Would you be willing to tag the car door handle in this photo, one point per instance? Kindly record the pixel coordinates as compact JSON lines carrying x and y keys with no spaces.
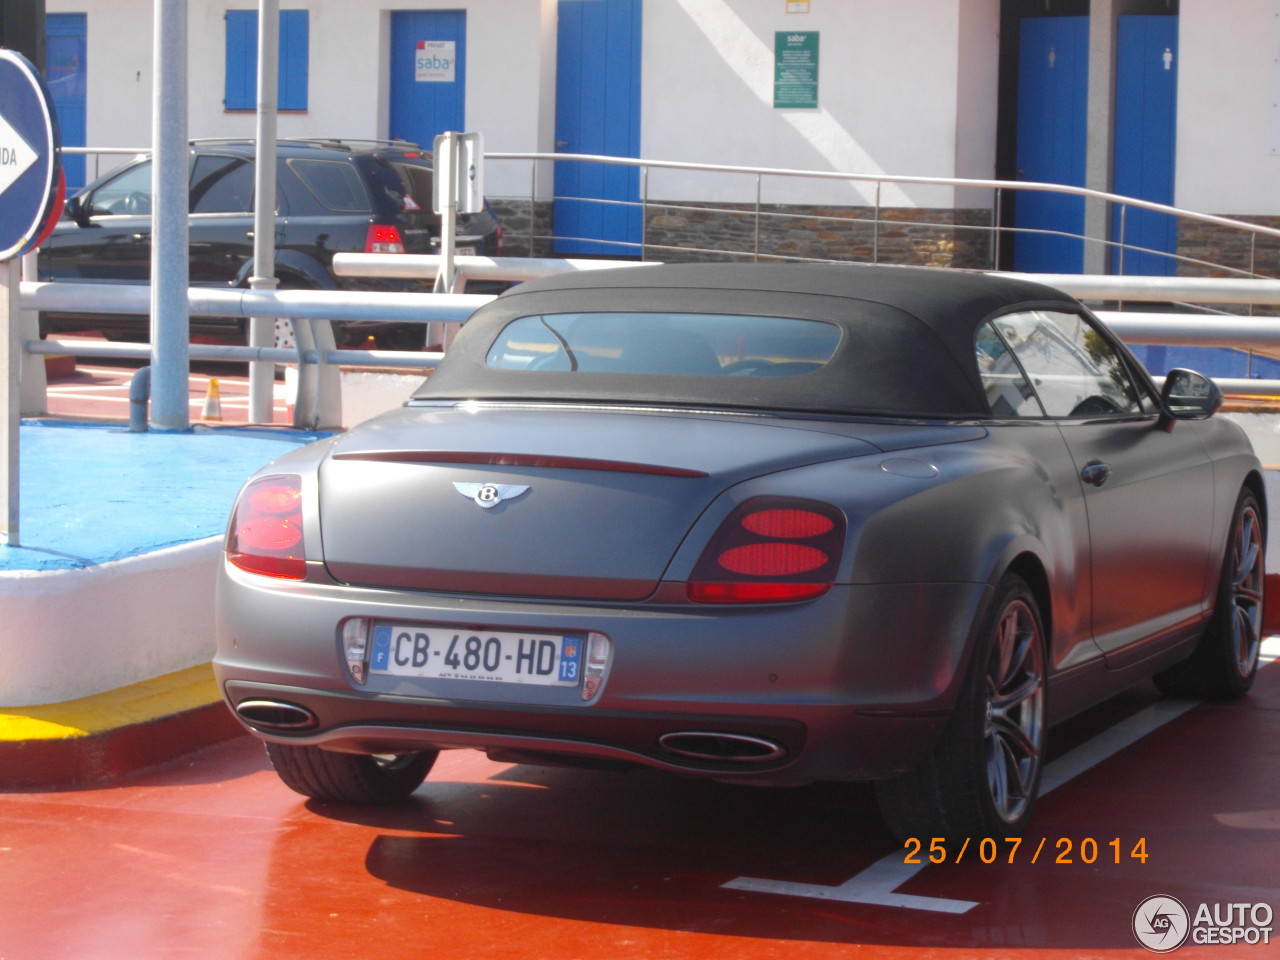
{"x":141,"y":238}
{"x":1096,"y":473}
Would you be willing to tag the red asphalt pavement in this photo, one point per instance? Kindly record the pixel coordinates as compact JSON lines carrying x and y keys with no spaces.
{"x":212,"y":857}
{"x":98,"y":390}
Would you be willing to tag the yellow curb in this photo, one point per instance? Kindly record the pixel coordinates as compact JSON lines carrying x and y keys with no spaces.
{"x":137,"y":703}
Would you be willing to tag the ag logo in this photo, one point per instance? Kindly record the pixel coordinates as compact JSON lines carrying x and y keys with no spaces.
{"x":1161,"y":924}
{"x":489,"y":495}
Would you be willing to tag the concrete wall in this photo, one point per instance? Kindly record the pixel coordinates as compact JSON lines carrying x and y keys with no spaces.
{"x":1227,"y":107}
{"x":510,"y":73}
{"x":74,"y":633}
{"x":907,"y":87}
{"x":890,"y":96}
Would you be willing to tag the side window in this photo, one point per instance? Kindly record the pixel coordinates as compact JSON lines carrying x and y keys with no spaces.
{"x":221,"y":185}
{"x":1006,"y":387}
{"x":126,"y":195}
{"x":335,"y":183}
{"x":1073,"y":369}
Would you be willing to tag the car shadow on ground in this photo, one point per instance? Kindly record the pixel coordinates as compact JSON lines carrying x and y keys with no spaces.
{"x":650,"y":850}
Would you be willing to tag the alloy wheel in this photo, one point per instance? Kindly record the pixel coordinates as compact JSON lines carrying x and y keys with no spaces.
{"x":1246,"y":589}
{"x":1014,"y":729}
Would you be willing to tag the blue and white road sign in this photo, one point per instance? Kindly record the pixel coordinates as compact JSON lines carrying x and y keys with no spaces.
{"x":30,"y":155}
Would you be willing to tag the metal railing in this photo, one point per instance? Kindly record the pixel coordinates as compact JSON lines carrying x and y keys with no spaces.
{"x":316,"y":348}
{"x":869,"y":216}
{"x":98,"y":153}
{"x":761,"y":214}
{"x":318,"y":403}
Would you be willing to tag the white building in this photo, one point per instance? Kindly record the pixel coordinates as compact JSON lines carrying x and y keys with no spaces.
{"x":1172,"y":100}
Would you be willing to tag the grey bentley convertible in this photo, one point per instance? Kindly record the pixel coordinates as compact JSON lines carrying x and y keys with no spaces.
{"x":770,"y":524}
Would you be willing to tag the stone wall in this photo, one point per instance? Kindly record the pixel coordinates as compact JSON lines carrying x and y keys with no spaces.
{"x":1236,"y":249}
{"x":689,"y":232}
{"x":526,"y":227}
{"x":926,"y":237}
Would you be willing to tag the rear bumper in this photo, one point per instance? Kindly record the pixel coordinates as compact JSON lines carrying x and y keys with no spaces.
{"x":855,"y":685}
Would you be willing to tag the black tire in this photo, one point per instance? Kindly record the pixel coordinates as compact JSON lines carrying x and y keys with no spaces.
{"x":350,"y":777}
{"x":1226,"y":659}
{"x":982,"y":777}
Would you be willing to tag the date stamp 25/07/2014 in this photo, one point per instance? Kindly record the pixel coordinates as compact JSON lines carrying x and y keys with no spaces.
{"x":1010,"y":850}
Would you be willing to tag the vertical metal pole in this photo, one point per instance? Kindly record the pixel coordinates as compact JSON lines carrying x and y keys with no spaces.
{"x":10,"y":399}
{"x":1253,"y":272}
{"x":35,"y":385}
{"x":170,"y":270}
{"x":759,"y":193}
{"x":533,"y":210}
{"x":644,"y":213}
{"x":997,"y":234}
{"x":875,"y":237}
{"x":261,"y":329}
{"x":1124,"y":237}
{"x":448,"y":166}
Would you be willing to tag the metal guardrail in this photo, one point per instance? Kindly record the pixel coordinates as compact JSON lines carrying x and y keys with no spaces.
{"x":1245,"y":333}
{"x":760,"y":215}
{"x":97,"y":153}
{"x":318,"y":403}
{"x":320,"y":307}
{"x":998,"y":230}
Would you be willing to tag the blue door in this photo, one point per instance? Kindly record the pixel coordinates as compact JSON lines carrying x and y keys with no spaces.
{"x":428,"y":74}
{"x":598,"y":112}
{"x":1146,"y":108}
{"x":1053,"y":87}
{"x":65,"y":72}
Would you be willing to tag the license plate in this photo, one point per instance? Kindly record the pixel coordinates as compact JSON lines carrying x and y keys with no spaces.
{"x":425,"y":650}
{"x":465,"y":251}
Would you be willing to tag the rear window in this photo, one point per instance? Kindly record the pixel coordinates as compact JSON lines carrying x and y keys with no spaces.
{"x":416,"y":184}
{"x":681,"y":344}
{"x":335,"y":183}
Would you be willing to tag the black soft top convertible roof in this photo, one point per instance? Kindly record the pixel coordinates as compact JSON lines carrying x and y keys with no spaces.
{"x":907,"y":348}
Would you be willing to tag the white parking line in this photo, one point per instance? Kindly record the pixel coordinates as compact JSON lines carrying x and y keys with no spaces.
{"x":878,"y":883}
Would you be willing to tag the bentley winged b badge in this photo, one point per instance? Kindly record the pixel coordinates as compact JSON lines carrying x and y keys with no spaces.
{"x":489,"y":495}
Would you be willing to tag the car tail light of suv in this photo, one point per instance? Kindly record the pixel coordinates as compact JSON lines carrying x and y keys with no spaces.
{"x":383,"y":238}
{"x":265,"y":536}
{"x":771,"y":550}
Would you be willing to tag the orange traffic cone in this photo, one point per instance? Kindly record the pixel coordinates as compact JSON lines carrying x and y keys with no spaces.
{"x":212,"y":409}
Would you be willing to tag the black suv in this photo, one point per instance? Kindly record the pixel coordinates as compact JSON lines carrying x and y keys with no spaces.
{"x":331,"y":197}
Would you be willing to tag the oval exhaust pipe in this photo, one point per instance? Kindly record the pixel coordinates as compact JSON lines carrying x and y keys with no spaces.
{"x":275,"y":715}
{"x":721,"y":747}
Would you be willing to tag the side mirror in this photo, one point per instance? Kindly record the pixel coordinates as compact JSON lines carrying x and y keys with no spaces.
{"x":74,"y":209}
{"x":1188,"y":395}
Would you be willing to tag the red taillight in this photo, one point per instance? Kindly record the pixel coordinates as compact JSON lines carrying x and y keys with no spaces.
{"x":791,"y":524}
{"x":771,"y":550}
{"x":383,"y":238}
{"x":755,"y":592}
{"x":499,"y":249}
{"x":266,"y":530}
{"x":772,"y":559}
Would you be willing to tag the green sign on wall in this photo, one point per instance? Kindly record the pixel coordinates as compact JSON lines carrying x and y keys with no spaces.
{"x":795,"y":69}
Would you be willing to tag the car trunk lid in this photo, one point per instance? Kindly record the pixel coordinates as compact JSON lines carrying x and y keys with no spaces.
{"x":574,"y":504}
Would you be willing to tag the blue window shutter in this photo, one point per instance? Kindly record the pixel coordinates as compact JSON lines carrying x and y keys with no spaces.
{"x":242,"y":60}
{"x":294,"y":58}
